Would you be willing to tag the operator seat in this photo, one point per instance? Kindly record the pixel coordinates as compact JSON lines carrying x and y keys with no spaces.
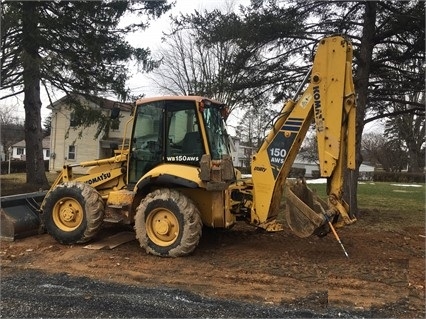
{"x":192,"y":144}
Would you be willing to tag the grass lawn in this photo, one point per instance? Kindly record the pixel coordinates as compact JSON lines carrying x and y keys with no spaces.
{"x":389,"y":203}
{"x":386,"y":196}
{"x":383,"y":205}
{"x":11,"y":184}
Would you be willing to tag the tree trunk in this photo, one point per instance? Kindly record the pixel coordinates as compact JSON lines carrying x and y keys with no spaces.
{"x":31,"y":72}
{"x":414,"y":142}
{"x":413,"y":159}
{"x":361,"y":86}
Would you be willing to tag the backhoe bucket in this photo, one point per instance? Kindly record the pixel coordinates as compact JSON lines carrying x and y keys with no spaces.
{"x":20,"y":215}
{"x":304,"y":210}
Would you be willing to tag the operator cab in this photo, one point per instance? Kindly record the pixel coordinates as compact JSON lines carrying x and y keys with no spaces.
{"x":178,"y":130}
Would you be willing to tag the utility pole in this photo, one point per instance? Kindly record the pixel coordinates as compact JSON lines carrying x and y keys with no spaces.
{"x":9,"y":152}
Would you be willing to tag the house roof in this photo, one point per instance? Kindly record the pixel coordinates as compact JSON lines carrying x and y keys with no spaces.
{"x":300,"y":160}
{"x":101,"y":102}
{"x":45,"y":142}
{"x":176,"y":97}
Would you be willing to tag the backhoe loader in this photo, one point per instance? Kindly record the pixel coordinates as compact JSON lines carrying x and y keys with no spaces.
{"x":175,"y":174}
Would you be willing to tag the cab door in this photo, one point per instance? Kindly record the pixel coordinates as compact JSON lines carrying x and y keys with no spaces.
{"x":184,"y":144}
{"x":147,"y":142}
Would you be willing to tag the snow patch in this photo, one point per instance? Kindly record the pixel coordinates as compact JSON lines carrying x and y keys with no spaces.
{"x":407,"y":185}
{"x":316,"y":181}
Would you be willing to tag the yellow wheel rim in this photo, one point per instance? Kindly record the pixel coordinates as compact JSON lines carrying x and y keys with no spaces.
{"x":162,"y":227}
{"x":67,"y":214}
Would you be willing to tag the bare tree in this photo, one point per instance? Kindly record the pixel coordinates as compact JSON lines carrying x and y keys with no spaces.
{"x":188,"y":67}
{"x":380,"y":151}
{"x":257,"y":119}
{"x":12,"y":127}
{"x":408,"y":130}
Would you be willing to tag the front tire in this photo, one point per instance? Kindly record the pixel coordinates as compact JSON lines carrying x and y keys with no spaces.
{"x":73,"y":212}
{"x":168,"y":224}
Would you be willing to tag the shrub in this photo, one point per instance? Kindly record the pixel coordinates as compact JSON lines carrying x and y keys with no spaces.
{"x":18,"y":167}
{"x":399,"y":177}
{"x":297,"y":172}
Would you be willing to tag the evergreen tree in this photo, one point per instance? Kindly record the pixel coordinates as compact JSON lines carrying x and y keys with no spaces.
{"x":276,"y":40}
{"x":73,"y":46}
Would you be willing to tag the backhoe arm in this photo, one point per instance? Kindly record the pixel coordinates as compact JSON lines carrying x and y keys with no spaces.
{"x":329,"y":100}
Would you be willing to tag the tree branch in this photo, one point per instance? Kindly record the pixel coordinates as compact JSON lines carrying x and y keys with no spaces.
{"x":417,"y":111}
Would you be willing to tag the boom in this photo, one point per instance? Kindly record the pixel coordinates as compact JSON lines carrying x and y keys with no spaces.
{"x":329,"y":99}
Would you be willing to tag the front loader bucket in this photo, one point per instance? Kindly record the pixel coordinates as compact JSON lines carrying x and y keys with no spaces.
{"x":304,"y":210}
{"x":20,"y":215}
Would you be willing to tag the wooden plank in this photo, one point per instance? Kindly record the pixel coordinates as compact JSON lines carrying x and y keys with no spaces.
{"x":113,"y":241}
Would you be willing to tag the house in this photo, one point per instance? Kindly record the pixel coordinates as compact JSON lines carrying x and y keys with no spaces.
{"x":311,"y":168}
{"x":19,"y":150}
{"x":241,"y":155}
{"x":2,"y":153}
{"x":366,"y":172}
{"x":72,"y":144}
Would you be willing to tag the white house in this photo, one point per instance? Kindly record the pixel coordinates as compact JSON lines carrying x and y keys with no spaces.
{"x":2,"y":153}
{"x":312,"y":169}
{"x":241,"y":155}
{"x":70,"y":144}
{"x":366,"y":172}
{"x":19,"y":150}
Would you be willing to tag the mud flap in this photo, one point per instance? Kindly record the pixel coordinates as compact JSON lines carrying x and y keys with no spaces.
{"x":304,"y":210}
{"x":20,"y":215}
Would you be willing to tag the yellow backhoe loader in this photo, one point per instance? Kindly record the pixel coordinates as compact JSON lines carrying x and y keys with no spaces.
{"x":176,"y":174}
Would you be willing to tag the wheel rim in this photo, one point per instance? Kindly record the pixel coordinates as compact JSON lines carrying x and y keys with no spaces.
{"x":162,"y":227}
{"x":67,"y":214}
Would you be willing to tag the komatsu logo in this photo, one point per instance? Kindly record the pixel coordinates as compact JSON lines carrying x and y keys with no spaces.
{"x":103,"y":176}
{"x":317,"y":108}
{"x":259,"y":169}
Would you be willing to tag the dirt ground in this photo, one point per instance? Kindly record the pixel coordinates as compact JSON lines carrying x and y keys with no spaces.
{"x":385,"y":271}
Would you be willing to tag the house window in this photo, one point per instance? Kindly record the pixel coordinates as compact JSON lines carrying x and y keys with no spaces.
{"x":74,"y":121}
{"x":115,"y":124}
{"x":71,"y":152}
{"x":20,"y":151}
{"x":47,"y":153}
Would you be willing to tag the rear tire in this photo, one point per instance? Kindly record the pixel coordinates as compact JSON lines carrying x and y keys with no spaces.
{"x":168,"y":224}
{"x":73,"y":212}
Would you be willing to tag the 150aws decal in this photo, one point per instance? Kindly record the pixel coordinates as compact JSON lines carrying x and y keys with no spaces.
{"x":278,"y":150}
{"x":277,"y":155}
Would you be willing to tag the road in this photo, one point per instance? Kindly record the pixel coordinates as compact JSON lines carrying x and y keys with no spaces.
{"x":35,"y":294}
